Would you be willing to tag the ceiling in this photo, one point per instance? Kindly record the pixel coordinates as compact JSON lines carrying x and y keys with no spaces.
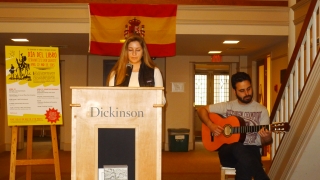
{"x":186,"y":45}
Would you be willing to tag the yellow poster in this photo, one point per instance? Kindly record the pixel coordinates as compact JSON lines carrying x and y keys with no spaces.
{"x":33,"y":86}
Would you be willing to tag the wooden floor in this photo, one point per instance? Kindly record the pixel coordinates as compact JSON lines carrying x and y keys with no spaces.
{"x":198,"y":164}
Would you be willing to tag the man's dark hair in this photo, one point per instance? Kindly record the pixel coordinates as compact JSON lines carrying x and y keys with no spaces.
{"x":239,"y":77}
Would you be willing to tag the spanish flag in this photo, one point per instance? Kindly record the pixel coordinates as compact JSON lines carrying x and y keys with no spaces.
{"x":112,"y":23}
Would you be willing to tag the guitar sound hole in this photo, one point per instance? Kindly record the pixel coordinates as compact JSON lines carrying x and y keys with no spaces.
{"x":227,"y":130}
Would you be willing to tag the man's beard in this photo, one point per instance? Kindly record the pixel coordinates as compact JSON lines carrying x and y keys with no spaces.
{"x":246,"y":100}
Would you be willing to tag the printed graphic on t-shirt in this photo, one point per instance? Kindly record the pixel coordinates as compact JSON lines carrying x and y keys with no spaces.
{"x":251,"y":119}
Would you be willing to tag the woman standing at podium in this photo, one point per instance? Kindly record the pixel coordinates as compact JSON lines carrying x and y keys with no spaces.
{"x":135,"y":67}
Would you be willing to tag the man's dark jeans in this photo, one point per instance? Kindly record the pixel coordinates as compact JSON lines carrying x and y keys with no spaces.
{"x":245,"y":159}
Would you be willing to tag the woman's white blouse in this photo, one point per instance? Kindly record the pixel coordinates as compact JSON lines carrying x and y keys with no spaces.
{"x":134,"y":81}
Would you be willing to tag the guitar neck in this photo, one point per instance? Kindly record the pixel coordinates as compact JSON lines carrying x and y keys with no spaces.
{"x":246,"y":129}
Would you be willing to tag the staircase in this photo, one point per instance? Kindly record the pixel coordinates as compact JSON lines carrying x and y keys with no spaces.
{"x":295,"y":155}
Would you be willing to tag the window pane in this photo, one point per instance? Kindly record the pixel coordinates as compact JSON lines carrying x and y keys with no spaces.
{"x":200,"y":89}
{"x":221,"y":88}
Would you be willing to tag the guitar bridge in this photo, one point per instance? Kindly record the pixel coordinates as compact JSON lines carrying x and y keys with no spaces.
{"x":212,"y":137}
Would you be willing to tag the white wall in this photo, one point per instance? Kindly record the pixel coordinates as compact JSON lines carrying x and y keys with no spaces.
{"x":73,"y":73}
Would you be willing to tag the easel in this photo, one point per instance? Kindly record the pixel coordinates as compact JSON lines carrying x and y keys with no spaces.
{"x":29,"y":161}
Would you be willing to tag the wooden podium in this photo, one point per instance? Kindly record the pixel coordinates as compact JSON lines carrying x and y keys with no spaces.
{"x":116,"y":126}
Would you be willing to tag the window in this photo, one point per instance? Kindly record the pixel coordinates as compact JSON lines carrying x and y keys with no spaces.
{"x":200,"y":89}
{"x":221,"y":88}
{"x":211,"y":88}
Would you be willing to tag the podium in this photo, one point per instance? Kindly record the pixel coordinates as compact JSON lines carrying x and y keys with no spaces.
{"x":116,"y":126}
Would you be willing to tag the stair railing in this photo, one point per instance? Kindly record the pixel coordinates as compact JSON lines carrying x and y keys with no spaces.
{"x":297,"y":73}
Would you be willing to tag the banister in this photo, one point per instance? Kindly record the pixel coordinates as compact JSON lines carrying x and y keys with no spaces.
{"x":293,"y":57}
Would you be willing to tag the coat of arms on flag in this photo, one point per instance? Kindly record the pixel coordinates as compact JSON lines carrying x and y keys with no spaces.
{"x":134,"y":28}
{"x":111,"y":24}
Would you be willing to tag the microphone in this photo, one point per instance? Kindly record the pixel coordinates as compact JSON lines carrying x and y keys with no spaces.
{"x":129,"y":69}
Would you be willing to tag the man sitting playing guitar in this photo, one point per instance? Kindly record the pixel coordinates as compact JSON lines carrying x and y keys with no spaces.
{"x":245,"y":156}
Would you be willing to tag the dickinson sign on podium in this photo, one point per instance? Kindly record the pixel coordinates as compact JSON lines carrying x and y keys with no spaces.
{"x":116,"y":127}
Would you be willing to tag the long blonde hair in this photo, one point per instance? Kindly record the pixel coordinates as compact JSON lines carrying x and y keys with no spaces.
{"x":119,"y":69}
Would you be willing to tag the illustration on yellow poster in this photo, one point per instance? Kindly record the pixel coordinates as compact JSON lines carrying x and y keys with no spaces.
{"x":33,"y":85}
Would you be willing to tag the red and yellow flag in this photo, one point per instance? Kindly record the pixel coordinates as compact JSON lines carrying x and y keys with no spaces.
{"x":111,"y":23}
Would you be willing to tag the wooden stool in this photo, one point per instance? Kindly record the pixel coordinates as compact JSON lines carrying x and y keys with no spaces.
{"x":225,"y":171}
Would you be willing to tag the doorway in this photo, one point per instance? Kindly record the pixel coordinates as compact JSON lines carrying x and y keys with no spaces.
{"x":261,"y":82}
{"x":211,"y":85}
{"x":263,"y":89}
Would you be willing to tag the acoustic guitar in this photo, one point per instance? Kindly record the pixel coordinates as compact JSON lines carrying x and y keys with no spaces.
{"x":234,"y":130}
